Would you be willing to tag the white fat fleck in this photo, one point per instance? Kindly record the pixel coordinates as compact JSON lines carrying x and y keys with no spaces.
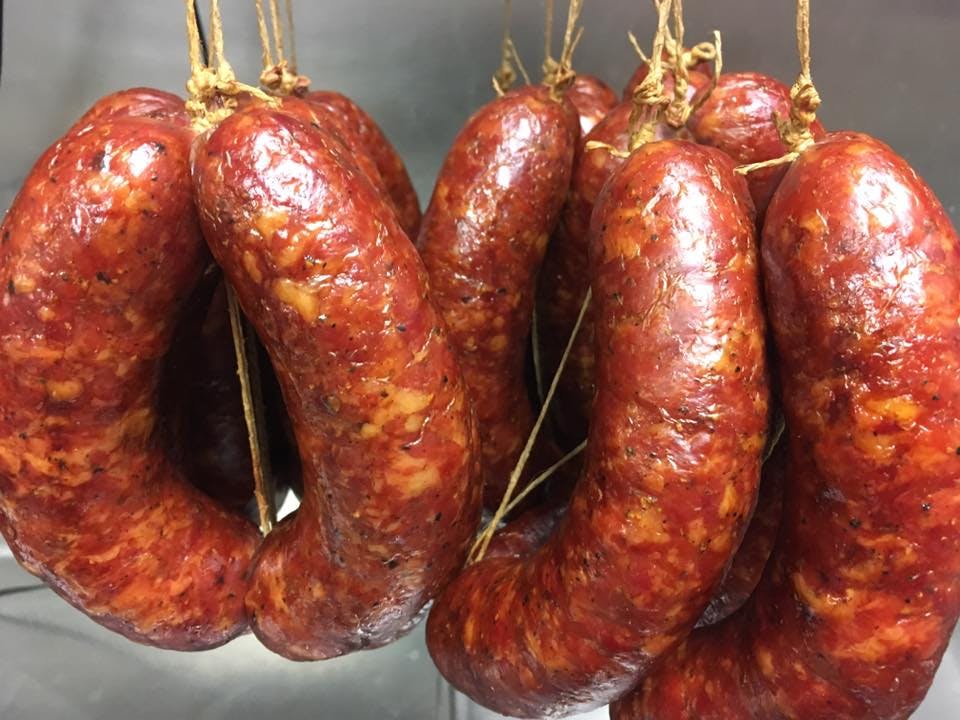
{"x":140,"y":159}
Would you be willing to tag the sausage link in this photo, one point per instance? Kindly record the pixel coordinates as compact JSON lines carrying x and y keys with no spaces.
{"x":593,"y":99}
{"x":563,"y":282}
{"x":748,"y":564}
{"x":739,"y":117}
{"x":338,"y":296}
{"x":388,"y":161}
{"x":668,"y":480}
{"x":857,"y":604}
{"x":497,"y":199}
{"x":99,"y":253}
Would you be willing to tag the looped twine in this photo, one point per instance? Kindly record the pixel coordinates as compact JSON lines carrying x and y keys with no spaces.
{"x":795,"y":131}
{"x":648,"y":96}
{"x":279,"y":79}
{"x":559,"y":75}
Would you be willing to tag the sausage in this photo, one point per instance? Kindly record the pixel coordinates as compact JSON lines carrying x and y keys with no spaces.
{"x":201,"y":401}
{"x":99,"y":253}
{"x":739,"y":118}
{"x":857,"y":604}
{"x":748,"y":564}
{"x":484,"y":234}
{"x":668,"y":480}
{"x":387,"y":441}
{"x":387,"y":159}
{"x":703,"y":67}
{"x":563,"y":282}
{"x":136,"y":102}
{"x":593,"y":99}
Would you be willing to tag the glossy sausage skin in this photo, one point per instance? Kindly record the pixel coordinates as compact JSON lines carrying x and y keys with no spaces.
{"x":669,"y":476}
{"x":593,"y":99}
{"x":563,"y":282}
{"x":338,"y":296}
{"x":738,"y":118}
{"x":855,"y":610}
{"x":748,"y":564}
{"x":99,"y":253}
{"x":387,"y":159}
{"x":497,"y":199}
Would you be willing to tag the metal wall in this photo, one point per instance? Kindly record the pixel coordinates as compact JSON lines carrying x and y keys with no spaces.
{"x":421,"y":66}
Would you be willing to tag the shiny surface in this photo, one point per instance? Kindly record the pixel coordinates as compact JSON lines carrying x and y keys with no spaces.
{"x":863,"y":591}
{"x":740,"y":118}
{"x":484,"y":234}
{"x":672,"y":466}
{"x":101,"y":250}
{"x":563,"y":283}
{"x":387,"y":443}
{"x":592,"y":98}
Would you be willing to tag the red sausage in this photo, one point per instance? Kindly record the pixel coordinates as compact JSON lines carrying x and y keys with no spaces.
{"x":669,"y":477}
{"x":563,"y":282}
{"x":388,"y":161}
{"x":338,"y":296}
{"x":99,"y":254}
{"x":862,"y":272}
{"x":748,"y":564}
{"x":593,"y":99}
{"x":738,"y":118}
{"x":483,"y":238}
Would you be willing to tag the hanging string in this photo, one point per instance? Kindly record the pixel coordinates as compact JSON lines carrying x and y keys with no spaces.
{"x":558,"y":75}
{"x":279,"y":75}
{"x":293,"y":36}
{"x":678,"y":111}
{"x":212,"y":91}
{"x":482,"y":542}
{"x":648,"y":97}
{"x":212,"y":88}
{"x":795,"y":132}
{"x":505,"y":75}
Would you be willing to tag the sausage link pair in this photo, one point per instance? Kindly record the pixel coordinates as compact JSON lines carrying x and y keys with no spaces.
{"x":496,"y":201}
{"x":387,"y":442}
{"x":99,"y":254}
{"x":673,"y":461}
{"x":857,"y":605}
{"x":363,"y":134}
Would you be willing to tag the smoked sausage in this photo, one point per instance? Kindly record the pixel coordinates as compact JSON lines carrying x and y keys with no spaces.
{"x":387,"y":160}
{"x":563,"y":282}
{"x":703,"y":67}
{"x":484,"y":234}
{"x":99,"y":253}
{"x":592,"y":98}
{"x":338,"y":295}
{"x":856,"y":607}
{"x":739,"y":118}
{"x":669,"y":477}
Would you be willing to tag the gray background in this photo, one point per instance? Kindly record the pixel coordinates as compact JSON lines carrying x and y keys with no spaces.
{"x":420,"y":66}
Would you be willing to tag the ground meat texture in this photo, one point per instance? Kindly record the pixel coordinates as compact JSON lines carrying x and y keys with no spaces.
{"x":338,"y":296}
{"x":856,"y":607}
{"x":563,"y":283}
{"x":739,"y":117}
{"x":497,"y":199}
{"x":593,"y":99}
{"x":99,"y":253}
{"x":385,"y":156}
{"x":673,"y":461}
{"x":754,"y":552}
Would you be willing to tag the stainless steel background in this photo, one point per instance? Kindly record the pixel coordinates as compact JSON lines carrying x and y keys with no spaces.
{"x":420,"y":66}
